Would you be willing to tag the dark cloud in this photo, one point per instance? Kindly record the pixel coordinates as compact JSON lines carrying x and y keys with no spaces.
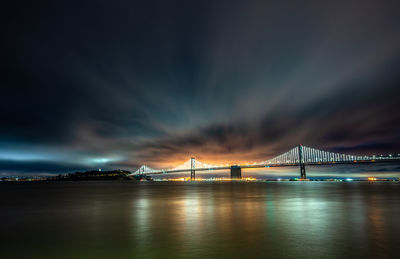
{"x":38,"y":167}
{"x":157,"y":81}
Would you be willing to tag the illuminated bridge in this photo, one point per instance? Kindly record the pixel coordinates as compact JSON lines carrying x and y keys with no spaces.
{"x":297,"y":156}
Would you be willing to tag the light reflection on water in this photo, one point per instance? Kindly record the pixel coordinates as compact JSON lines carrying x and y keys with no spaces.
{"x":197,"y":220}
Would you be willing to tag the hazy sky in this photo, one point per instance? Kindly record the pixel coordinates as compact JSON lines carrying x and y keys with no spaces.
{"x":115,"y":84}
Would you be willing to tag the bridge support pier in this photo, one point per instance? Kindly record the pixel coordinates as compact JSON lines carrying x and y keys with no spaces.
{"x":303,"y":171}
{"x":236,"y":172}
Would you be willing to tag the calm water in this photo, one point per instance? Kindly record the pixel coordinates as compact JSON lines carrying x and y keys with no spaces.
{"x":200,"y":220}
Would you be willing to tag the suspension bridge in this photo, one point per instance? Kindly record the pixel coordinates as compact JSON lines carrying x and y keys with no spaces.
{"x":300,"y":156}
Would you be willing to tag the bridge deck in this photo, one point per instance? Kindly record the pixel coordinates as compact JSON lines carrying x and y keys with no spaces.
{"x":280,"y":165}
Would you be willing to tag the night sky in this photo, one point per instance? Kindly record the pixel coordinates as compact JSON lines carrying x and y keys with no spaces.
{"x":115,"y":84}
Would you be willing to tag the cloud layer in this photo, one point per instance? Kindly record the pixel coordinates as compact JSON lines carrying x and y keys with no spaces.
{"x":155,"y":82}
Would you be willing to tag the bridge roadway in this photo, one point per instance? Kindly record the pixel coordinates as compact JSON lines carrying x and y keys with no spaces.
{"x":374,"y":161}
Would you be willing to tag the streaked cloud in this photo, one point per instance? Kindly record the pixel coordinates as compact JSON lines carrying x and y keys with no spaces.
{"x":224,"y":81}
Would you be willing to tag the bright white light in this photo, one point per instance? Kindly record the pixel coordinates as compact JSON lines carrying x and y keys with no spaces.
{"x":101,"y":160}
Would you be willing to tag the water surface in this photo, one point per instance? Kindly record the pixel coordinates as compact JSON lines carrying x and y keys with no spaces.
{"x":200,"y":220}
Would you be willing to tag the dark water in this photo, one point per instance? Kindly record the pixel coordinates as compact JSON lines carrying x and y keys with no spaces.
{"x":200,"y":220}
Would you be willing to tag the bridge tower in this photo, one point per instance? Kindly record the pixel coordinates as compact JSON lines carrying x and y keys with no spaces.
{"x":192,"y":168}
{"x":301,"y":163}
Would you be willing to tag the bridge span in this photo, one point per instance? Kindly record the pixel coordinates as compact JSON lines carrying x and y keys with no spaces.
{"x":300,"y":156}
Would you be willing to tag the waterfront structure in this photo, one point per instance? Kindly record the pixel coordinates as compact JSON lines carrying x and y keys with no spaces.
{"x":236,"y":172}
